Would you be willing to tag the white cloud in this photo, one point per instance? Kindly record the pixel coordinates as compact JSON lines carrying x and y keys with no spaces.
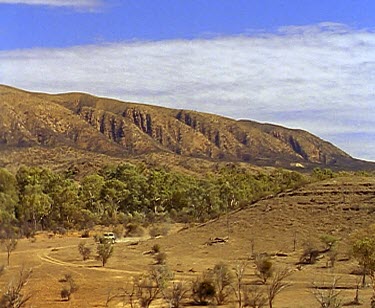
{"x":90,"y":4}
{"x":319,"y":78}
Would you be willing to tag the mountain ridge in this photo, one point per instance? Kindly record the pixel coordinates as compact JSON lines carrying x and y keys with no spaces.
{"x":121,"y":129}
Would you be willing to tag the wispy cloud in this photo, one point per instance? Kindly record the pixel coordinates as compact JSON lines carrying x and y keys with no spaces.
{"x":81,"y":4}
{"x":319,"y":78}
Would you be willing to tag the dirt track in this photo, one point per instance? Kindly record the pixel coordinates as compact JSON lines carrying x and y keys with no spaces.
{"x":337,"y":207}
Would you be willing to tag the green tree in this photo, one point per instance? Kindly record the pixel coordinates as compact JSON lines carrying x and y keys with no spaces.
{"x":66,"y":207}
{"x":34,"y":204}
{"x":8,"y":196}
{"x":104,"y":251}
{"x":135,"y":181}
{"x":114,"y":194}
{"x":90,"y":193}
{"x":159,"y":190}
{"x":364,"y":252}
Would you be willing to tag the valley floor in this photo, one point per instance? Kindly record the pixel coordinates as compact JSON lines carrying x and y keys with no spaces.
{"x":337,"y":207}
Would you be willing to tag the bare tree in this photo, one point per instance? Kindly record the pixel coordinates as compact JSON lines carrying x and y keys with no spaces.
{"x":332,"y":256}
{"x":222,"y":279}
{"x":277,"y":284}
{"x":175,"y":294}
{"x":147,"y":287}
{"x":310,"y":253}
{"x":372,"y":276}
{"x":329,"y":297}
{"x":356,"y":300}
{"x":254,"y":297}
{"x":294,"y":240}
{"x":14,"y":296}
{"x":237,"y":285}
{"x":122,"y":294}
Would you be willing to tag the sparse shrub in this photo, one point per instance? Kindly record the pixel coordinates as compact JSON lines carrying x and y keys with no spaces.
{"x":118,"y":230}
{"x":155,"y":248}
{"x":175,"y":294}
{"x":161,"y":258}
{"x":203,"y":290}
{"x":264,"y":268}
{"x":85,"y":234}
{"x":27,"y":230}
{"x":148,"y":286}
{"x":328,"y":240}
{"x":254,"y":297}
{"x":135,"y":217}
{"x":68,"y":288}
{"x":159,"y":230}
{"x":104,"y":251}
{"x":14,"y":296}
{"x":96,"y":238}
{"x":122,"y":218}
{"x":309,"y":254}
{"x":59,"y":230}
{"x":183,"y":217}
{"x":84,"y":251}
{"x":134,"y":230}
{"x":323,"y":174}
{"x":329,"y":297}
{"x":222,"y":279}
{"x":65,"y":294}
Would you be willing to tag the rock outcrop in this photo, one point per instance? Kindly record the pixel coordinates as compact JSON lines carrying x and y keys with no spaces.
{"x":118,"y":128}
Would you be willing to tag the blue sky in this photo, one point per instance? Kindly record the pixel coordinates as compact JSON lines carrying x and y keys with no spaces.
{"x":60,"y":23}
{"x":303,"y":64}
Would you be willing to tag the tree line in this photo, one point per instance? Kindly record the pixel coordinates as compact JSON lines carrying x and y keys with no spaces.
{"x":37,"y":198}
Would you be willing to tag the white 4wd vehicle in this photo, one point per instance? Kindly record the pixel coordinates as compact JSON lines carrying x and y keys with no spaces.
{"x":109,"y":237}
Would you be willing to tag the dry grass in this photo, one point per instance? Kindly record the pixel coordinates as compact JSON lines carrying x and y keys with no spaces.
{"x":336,"y":207}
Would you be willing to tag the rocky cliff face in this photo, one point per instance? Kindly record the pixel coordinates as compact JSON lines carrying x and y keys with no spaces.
{"x":123,"y":129}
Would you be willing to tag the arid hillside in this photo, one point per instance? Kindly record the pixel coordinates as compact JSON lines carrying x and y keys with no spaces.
{"x":279,"y":226}
{"x":35,"y":124}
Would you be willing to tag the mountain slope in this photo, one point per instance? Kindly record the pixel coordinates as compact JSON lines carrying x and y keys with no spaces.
{"x":119,"y":129}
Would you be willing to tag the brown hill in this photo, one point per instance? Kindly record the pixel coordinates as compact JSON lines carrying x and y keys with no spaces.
{"x":81,"y":123}
{"x":280,"y":226}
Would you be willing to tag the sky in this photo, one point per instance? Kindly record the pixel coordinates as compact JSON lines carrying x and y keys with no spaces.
{"x":298,"y":63}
